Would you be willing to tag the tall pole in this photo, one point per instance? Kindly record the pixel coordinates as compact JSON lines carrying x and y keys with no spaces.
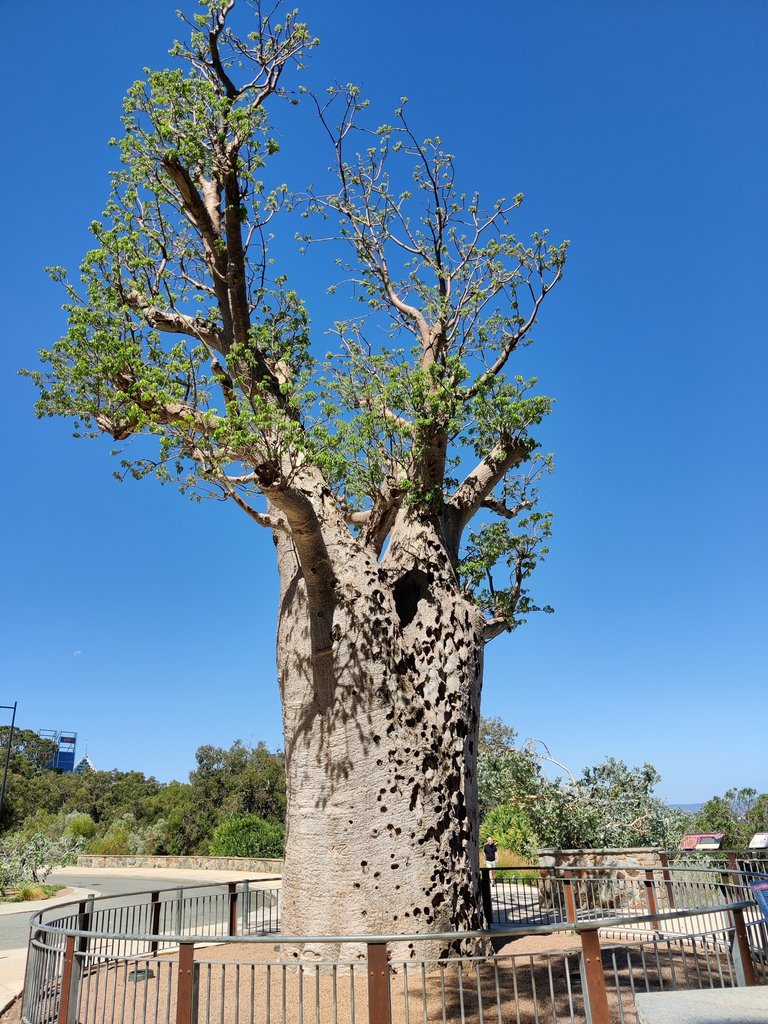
{"x":7,"y":753}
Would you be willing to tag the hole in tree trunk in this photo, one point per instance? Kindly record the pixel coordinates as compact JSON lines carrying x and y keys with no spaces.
{"x":408,"y":591}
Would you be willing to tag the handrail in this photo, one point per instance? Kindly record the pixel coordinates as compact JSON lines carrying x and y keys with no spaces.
{"x":539,"y":929}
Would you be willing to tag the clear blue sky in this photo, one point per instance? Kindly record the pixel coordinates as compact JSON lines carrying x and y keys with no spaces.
{"x":146,"y":623}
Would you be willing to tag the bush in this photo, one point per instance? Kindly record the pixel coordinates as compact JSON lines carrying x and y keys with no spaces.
{"x":30,"y":892}
{"x":127,"y":836}
{"x":510,"y":827}
{"x":29,"y":857}
{"x":80,"y":826}
{"x":247,"y":835}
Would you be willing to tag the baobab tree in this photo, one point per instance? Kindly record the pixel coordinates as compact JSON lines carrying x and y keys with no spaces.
{"x":399,"y":481}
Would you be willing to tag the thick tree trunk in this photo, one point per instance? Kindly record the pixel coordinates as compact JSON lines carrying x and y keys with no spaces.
{"x":381,"y":694}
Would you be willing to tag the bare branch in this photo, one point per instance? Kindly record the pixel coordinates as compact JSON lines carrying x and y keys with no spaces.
{"x":503,"y":510}
{"x":172,"y":322}
{"x":515,"y":338}
{"x":495,"y":627}
{"x":213,"y":42}
{"x":262,"y":518}
{"x":477,"y":485}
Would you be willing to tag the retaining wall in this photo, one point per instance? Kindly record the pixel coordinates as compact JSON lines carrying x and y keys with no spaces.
{"x":260,"y":865}
{"x":631,"y":857}
{"x":638,"y":857}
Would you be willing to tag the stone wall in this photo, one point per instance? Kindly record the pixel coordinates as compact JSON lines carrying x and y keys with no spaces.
{"x":623,"y":890}
{"x":632,"y":857}
{"x":258,"y":865}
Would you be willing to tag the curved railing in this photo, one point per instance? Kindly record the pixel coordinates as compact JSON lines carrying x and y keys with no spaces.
{"x":209,"y":955}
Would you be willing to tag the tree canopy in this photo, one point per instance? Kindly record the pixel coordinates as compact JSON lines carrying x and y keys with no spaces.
{"x":610,"y":804}
{"x":181,"y":328}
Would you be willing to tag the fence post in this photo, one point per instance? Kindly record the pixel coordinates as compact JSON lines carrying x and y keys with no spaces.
{"x":742,"y":956}
{"x":246,"y":909}
{"x":485,"y":892}
{"x":570,"y":903}
{"x":85,"y":912}
{"x":650,"y":896}
{"x":233,"y":908}
{"x":68,"y":998}
{"x":379,"y":1009}
{"x":179,"y":911}
{"x":593,"y":979}
{"x":155,"y":926}
{"x":664,"y":859}
{"x":187,"y":994}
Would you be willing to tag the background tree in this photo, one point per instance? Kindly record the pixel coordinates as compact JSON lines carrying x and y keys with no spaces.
{"x":738,"y":814}
{"x":30,"y":752}
{"x":609,"y":805}
{"x":399,"y":481}
{"x":506,"y":774}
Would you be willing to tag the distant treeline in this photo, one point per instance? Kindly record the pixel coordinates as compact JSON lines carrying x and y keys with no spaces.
{"x":234,"y":803}
{"x":127,"y":812}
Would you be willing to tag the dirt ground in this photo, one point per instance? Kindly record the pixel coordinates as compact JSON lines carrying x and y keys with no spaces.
{"x":531,"y":979}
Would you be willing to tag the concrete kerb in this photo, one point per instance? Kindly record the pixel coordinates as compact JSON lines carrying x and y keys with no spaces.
{"x":13,"y":962}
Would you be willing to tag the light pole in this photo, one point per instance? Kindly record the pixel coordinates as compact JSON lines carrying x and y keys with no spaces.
{"x":7,"y":707}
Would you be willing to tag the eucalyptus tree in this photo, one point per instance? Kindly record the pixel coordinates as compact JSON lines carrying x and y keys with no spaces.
{"x":399,"y":481}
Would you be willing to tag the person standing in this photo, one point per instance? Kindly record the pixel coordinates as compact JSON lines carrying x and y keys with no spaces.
{"x":489,"y":852}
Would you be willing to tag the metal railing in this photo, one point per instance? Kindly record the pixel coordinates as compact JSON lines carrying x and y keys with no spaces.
{"x":579,"y":894}
{"x":214,"y":955}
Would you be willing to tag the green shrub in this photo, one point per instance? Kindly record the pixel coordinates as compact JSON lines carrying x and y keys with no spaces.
{"x":127,"y":836}
{"x":510,"y":827}
{"x":247,"y":835}
{"x":81,"y":826}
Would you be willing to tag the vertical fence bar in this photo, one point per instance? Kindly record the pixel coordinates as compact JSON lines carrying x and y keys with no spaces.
{"x":379,"y":1008}
{"x":187,"y":994}
{"x":595,"y":993}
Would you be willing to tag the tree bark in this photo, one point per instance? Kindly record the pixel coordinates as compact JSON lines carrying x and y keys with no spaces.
{"x":381,"y":694}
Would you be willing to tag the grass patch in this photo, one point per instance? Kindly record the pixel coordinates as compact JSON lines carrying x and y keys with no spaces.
{"x":512,"y":866}
{"x":33,"y":891}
